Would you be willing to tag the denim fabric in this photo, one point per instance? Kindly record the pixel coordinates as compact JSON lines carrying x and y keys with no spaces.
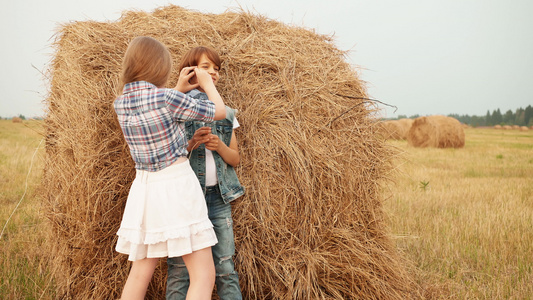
{"x":227,"y":279}
{"x":229,"y":184}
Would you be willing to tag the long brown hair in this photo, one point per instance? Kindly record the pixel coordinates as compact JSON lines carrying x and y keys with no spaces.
{"x":146,"y":59}
{"x":192,"y":57}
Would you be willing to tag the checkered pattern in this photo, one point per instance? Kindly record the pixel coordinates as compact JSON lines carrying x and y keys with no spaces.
{"x":152,"y":119}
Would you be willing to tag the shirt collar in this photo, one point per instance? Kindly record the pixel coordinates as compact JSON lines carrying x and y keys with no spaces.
{"x":137,"y":85}
{"x":193,"y":92}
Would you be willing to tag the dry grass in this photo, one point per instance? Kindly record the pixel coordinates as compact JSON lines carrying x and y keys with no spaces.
{"x":23,"y":269}
{"x":465,"y":215}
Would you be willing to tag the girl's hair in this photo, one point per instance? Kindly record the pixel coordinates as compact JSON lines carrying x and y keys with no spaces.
{"x":192,"y":57}
{"x":146,"y":59}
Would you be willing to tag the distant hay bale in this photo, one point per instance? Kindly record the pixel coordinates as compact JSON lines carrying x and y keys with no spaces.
{"x":391,"y":129}
{"x":436,"y":131}
{"x":516,"y":127}
{"x":405,"y":125}
{"x":507,"y":127}
{"x":16,"y":120}
{"x":395,"y":129}
{"x":311,"y":224}
{"x":524,"y":128}
{"x":497,"y":127}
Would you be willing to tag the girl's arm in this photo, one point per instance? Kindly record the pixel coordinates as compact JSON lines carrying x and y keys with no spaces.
{"x":206,"y":83}
{"x":184,"y":85}
{"x":230,"y":154}
{"x":209,"y":88}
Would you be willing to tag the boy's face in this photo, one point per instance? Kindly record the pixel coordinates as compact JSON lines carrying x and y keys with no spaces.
{"x":206,"y":64}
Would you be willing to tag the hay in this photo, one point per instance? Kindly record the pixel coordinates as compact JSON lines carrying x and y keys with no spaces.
{"x":405,"y":125}
{"x":390,"y":130}
{"x":311,"y":224}
{"x":524,"y":128}
{"x":395,"y":129}
{"x":16,"y":120}
{"x":507,"y":127}
{"x":436,"y":131}
{"x":497,"y":127}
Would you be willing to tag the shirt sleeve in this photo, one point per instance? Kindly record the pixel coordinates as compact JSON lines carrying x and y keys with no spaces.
{"x":184,"y":108}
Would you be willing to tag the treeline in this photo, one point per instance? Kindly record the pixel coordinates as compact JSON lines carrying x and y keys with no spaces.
{"x":520,"y":117}
{"x":22,"y":117}
{"x":19,"y":116}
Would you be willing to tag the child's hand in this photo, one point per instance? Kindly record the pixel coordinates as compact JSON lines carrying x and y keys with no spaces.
{"x":200,"y":136}
{"x":185,"y":83}
{"x":204,"y":78}
{"x":213,"y":142}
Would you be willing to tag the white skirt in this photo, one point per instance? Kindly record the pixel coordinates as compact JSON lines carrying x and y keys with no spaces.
{"x":165,"y":215}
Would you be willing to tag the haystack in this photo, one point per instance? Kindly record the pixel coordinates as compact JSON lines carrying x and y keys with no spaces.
{"x":405,"y":125}
{"x":497,"y":127}
{"x":391,"y":130}
{"x":16,"y":120}
{"x":436,"y":131}
{"x":311,"y":224}
{"x":524,"y":128}
{"x":396,"y":129}
{"x":507,"y":127}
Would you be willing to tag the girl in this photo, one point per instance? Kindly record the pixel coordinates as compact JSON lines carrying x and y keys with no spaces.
{"x":165,"y":213}
{"x":214,"y":154}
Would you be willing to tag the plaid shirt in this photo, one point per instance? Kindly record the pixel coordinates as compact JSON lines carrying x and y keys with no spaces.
{"x":152,"y":119}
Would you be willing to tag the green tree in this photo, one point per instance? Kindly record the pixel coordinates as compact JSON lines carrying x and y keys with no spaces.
{"x":477,"y":121}
{"x":528,"y":116}
{"x":488,"y":119}
{"x":520,"y":117}
{"x":508,"y":118}
{"x":496,"y":117}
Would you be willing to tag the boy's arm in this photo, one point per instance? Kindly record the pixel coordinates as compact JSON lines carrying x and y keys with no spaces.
{"x":200,"y":136}
{"x":230,"y":154}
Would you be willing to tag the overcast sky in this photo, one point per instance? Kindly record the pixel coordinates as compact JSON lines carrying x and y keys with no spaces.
{"x":425,"y":57}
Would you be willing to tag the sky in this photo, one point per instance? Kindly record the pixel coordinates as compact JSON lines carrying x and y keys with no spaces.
{"x":425,"y":57}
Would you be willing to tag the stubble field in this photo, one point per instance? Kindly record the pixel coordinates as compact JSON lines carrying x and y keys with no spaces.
{"x":462,"y":217}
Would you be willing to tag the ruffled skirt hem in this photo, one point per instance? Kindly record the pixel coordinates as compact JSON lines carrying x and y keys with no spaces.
{"x":166,"y":244}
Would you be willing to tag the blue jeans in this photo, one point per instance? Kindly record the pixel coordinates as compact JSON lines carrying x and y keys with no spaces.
{"x":227,"y":279}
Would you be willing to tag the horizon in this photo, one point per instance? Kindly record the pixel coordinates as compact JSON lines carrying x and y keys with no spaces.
{"x":423,"y":58}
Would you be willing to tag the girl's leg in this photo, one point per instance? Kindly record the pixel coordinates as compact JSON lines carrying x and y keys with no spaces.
{"x":140,"y":275}
{"x":201,"y":273}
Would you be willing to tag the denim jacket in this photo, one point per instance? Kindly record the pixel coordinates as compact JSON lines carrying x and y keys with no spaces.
{"x":228,"y":183}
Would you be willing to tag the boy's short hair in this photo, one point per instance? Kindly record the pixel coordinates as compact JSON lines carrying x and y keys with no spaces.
{"x":192,"y":57}
{"x":146,"y":59}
